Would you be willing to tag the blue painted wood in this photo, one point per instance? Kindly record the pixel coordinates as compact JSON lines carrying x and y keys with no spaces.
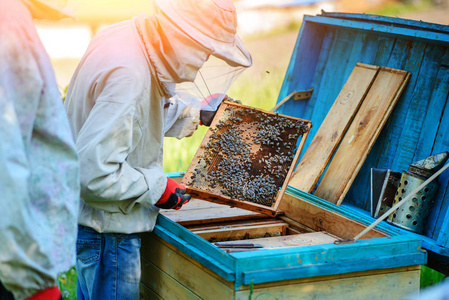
{"x":299,"y":79}
{"x":387,"y":29}
{"x":425,"y":73}
{"x":388,"y":20}
{"x":427,"y":146}
{"x":441,"y":212}
{"x":330,"y":259}
{"x":327,"y":41}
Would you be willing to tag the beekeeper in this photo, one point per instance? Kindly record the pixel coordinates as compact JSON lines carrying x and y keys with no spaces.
{"x":39,"y":177}
{"x":121,"y":102}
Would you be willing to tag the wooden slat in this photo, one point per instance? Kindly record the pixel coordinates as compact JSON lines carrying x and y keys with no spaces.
{"x":334,"y":126}
{"x":304,"y":239}
{"x":194,"y":276}
{"x":362,"y":134}
{"x":162,"y":284}
{"x":382,"y":286}
{"x":147,"y":293}
{"x":204,"y":212}
{"x":246,"y":232}
{"x":233,"y":224}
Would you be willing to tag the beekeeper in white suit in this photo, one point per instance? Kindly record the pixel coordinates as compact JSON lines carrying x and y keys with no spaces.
{"x":39,"y":170}
{"x":121,"y":103}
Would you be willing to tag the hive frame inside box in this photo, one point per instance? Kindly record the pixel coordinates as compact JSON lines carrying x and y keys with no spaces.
{"x":222,"y":199}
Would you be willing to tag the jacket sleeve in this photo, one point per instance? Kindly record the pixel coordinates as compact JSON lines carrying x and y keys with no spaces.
{"x":112,"y":129}
{"x":181,"y":120}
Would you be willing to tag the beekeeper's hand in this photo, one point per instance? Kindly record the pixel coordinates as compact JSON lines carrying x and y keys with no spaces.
{"x":209,"y":107}
{"x":174,"y":196}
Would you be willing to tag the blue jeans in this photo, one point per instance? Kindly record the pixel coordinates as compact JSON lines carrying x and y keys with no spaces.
{"x":107,"y":264}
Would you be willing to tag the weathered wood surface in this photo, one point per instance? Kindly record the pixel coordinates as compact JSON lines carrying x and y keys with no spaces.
{"x":204,"y":212}
{"x":337,"y":121}
{"x":167,"y":273}
{"x":243,"y":232}
{"x":147,"y":293}
{"x":304,"y":239}
{"x":391,"y":286}
{"x":323,"y":220}
{"x":233,"y":224}
{"x":169,"y":261}
{"x":361,"y":135}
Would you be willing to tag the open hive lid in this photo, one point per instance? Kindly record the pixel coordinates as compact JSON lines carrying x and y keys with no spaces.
{"x":246,"y":158}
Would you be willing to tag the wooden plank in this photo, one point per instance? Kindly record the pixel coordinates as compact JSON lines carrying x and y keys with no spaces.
{"x":147,"y":293}
{"x":204,"y":212}
{"x":162,"y":284}
{"x":320,"y":219}
{"x":362,"y":134}
{"x":411,"y":61}
{"x":233,"y":224}
{"x":381,"y":286}
{"x":246,"y":232}
{"x":303,"y":239}
{"x":334,"y":126}
{"x":333,"y":277}
{"x":194,"y":276}
{"x":301,"y":228}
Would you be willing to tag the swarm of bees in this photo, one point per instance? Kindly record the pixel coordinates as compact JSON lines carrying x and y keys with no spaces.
{"x":248,"y":155}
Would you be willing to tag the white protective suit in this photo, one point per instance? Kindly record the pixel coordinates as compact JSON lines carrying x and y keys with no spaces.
{"x":119,"y":106}
{"x":39,"y":177}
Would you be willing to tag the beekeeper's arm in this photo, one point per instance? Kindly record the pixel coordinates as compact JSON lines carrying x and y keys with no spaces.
{"x":108,"y":181}
{"x":183,"y":116}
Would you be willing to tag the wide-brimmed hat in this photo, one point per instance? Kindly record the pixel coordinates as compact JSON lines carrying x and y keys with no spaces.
{"x":48,"y":9}
{"x":212,"y":23}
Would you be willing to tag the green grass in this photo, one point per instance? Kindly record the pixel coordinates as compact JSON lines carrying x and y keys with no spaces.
{"x":430,"y":277}
{"x":67,"y":284}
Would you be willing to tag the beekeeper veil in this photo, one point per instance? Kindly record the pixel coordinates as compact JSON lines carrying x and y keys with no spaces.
{"x":212,"y":24}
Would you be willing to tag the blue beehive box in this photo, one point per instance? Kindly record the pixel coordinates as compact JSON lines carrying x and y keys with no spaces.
{"x":329,"y":46}
{"x":178,"y":258}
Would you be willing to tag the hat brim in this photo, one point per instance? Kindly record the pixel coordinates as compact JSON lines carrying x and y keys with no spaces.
{"x":235,"y":54}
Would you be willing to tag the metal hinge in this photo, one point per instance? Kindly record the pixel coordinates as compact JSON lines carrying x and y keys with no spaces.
{"x":302,"y":95}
